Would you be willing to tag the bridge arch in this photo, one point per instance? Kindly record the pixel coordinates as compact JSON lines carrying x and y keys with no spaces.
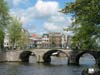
{"x":92,"y":53}
{"x":48,"y":54}
{"x":24,"y":56}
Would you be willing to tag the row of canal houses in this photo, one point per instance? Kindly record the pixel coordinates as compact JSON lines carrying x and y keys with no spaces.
{"x":49,"y":40}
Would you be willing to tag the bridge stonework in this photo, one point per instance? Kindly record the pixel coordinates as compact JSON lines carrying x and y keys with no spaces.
{"x":15,"y":55}
{"x":75,"y":56}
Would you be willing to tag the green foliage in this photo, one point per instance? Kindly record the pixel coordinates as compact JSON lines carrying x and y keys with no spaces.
{"x":14,"y":30}
{"x":24,"y":40}
{"x":1,"y":38}
{"x":4,"y":19}
{"x":86,"y":27}
{"x":18,"y":36}
{"x":3,"y":7}
{"x":4,"y":16}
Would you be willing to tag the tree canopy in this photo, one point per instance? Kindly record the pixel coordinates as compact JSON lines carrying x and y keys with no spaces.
{"x":14,"y":30}
{"x":1,"y":38}
{"x":86,"y":27}
{"x":18,"y":36}
{"x":3,"y":20}
{"x":4,"y":14}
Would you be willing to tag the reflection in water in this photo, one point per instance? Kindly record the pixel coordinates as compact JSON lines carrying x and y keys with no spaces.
{"x":37,"y":69}
{"x":59,"y":60}
{"x":32,"y":59}
{"x":87,"y":60}
{"x":40,"y":69}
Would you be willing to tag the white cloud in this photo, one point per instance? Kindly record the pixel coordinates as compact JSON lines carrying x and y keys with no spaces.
{"x":51,"y":27}
{"x":19,"y":13}
{"x":57,"y":22}
{"x":31,"y":28}
{"x":48,"y":10}
{"x":40,"y":10}
{"x":58,"y":18}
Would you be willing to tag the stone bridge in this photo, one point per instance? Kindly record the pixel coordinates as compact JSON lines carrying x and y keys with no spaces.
{"x":75,"y":56}
{"x":43,"y":55}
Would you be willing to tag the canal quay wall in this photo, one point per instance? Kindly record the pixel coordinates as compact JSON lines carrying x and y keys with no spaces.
{"x":10,"y":56}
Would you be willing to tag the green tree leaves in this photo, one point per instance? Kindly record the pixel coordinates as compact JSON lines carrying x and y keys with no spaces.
{"x":87,"y":23}
{"x":4,"y":16}
{"x":18,"y":36}
{"x":14,"y":30}
{"x":4,"y":19}
{"x":1,"y":38}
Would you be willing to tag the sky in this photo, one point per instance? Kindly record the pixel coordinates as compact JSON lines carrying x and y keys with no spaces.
{"x":40,"y":16}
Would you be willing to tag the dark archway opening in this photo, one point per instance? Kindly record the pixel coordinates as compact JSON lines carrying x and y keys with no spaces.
{"x":25,"y":55}
{"x":56,"y":54}
{"x":86,"y":59}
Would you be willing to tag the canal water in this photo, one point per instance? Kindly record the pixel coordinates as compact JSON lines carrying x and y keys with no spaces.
{"x":58,"y":66}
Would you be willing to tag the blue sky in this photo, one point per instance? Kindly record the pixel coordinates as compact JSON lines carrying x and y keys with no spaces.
{"x":40,"y":16}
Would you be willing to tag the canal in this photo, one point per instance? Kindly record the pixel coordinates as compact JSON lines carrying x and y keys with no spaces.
{"x":58,"y":66}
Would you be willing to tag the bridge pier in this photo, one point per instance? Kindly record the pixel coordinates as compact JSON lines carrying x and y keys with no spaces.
{"x":39,"y":59}
{"x":72,"y":59}
{"x":98,"y":62}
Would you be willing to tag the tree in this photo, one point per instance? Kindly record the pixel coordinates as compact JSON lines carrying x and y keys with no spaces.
{"x":86,"y":27}
{"x":4,"y":16}
{"x":1,"y":38}
{"x":4,"y":19}
{"x":14,"y":30}
{"x":24,"y":40}
{"x":18,"y":36}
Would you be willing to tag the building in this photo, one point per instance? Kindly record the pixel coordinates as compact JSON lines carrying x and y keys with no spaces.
{"x":35,"y":41}
{"x":7,"y":43}
{"x":55,"y":40}
{"x":19,"y":43}
{"x":49,"y":40}
{"x":39,"y":42}
{"x":45,"y":41}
